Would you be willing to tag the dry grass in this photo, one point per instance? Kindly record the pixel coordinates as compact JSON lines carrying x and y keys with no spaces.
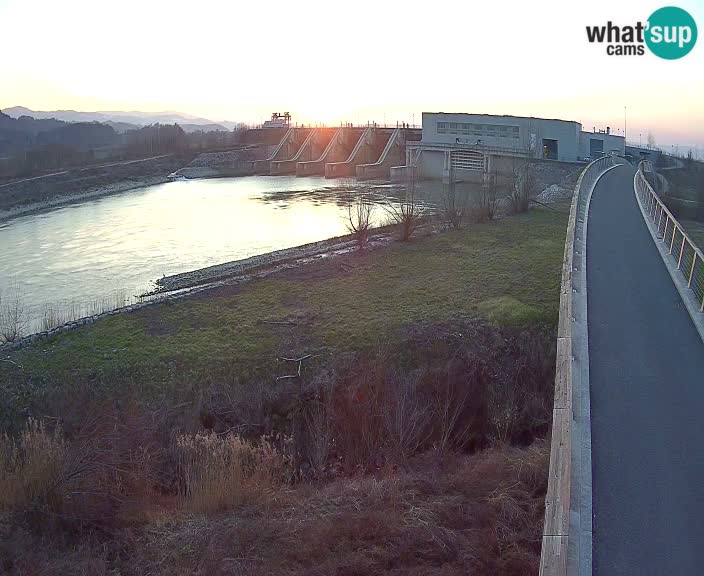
{"x":59,"y":313}
{"x":451,"y":515}
{"x":92,"y":479}
{"x":221,"y":472}
{"x":400,"y":460}
{"x":30,"y":466}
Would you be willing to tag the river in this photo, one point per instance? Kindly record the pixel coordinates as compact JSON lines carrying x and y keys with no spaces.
{"x":104,"y":252}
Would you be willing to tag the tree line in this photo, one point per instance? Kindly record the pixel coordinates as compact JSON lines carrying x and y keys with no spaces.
{"x":29,"y":146}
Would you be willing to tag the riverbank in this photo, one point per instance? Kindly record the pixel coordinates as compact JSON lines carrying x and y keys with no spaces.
{"x":75,"y":185}
{"x":235,"y":273}
{"x":505,"y":272}
{"x":87,"y":194}
{"x":393,"y":401}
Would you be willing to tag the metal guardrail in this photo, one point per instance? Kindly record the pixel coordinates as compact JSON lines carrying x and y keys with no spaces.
{"x":689,"y":258}
{"x":558,"y":531}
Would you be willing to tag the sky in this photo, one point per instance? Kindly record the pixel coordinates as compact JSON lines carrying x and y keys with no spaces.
{"x":329,"y":62}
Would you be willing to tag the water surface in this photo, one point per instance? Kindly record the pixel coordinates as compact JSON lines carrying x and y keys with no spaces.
{"x":105,"y":252}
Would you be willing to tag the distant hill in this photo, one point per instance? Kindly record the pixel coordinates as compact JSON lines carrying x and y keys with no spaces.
{"x":119,"y":120}
{"x":27,"y":124}
{"x":188,"y":128}
{"x":122,"y":127}
{"x":33,"y":142}
{"x":25,"y":133}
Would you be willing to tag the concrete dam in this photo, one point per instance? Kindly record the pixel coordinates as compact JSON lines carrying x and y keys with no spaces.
{"x":367,"y":153}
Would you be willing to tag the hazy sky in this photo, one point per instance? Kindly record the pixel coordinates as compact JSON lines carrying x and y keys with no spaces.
{"x":327,"y":61}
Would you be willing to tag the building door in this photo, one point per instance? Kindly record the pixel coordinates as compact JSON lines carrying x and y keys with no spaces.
{"x":596,"y":148}
{"x":549,"y":149}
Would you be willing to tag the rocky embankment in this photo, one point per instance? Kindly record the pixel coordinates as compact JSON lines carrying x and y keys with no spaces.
{"x":265,"y":264}
{"x":222,"y":164}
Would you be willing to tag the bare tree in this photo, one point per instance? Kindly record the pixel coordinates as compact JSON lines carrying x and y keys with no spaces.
{"x":13,"y":315}
{"x":448,"y":406}
{"x":406,"y":211}
{"x":318,"y":419}
{"x":524,"y":185}
{"x":456,"y":202}
{"x":359,"y":218}
{"x":651,"y":140}
{"x":484,"y":207}
{"x":407,"y":419}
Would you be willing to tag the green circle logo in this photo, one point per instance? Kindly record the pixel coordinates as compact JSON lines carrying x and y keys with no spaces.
{"x":670,"y":33}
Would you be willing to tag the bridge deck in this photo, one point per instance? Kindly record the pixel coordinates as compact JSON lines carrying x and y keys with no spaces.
{"x":647,"y":391}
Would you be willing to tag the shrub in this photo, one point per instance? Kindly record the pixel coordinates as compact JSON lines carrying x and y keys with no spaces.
{"x":91,"y":479}
{"x":13,"y":315}
{"x":359,"y":218}
{"x":31,"y":466}
{"x":220,"y":472}
{"x":525,"y":183}
{"x":484,"y":202}
{"x":406,"y":211}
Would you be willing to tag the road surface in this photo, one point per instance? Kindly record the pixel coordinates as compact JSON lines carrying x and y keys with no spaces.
{"x":646,"y":363}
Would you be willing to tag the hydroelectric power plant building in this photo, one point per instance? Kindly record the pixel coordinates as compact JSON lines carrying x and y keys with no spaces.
{"x":475,"y":143}
{"x":469,"y":145}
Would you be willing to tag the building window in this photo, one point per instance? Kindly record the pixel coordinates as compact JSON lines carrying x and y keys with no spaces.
{"x":478,"y":130}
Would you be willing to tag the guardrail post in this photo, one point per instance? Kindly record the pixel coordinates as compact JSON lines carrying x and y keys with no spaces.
{"x":664,"y":232}
{"x":679,"y":260}
{"x":672,"y":242}
{"x":659,"y":218}
{"x":691,"y":272}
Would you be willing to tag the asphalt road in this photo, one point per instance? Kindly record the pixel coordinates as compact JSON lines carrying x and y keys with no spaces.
{"x":646,"y":363}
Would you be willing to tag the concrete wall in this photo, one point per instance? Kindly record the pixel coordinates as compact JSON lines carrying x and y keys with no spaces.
{"x":338,"y":150}
{"x":313,"y":146}
{"x":431,"y":164}
{"x":270,"y":136}
{"x":285,"y":150}
{"x":367,"y":150}
{"x":393,"y":155}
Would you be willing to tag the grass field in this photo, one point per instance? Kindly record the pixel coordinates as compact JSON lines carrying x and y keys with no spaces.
{"x":506,"y":272}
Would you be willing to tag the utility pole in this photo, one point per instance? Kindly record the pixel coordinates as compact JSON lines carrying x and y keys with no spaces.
{"x":625,"y":132}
